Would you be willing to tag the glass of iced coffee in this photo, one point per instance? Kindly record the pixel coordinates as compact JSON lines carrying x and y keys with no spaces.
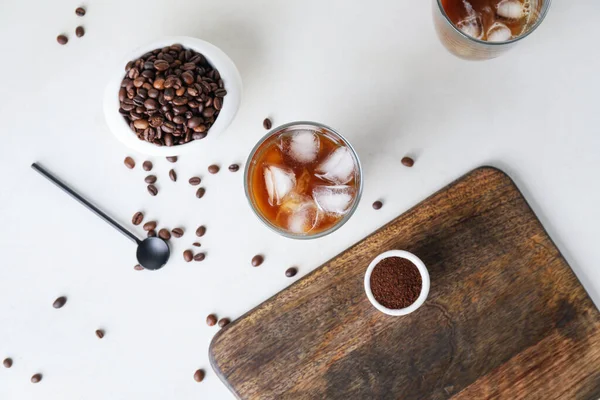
{"x":484,"y":29}
{"x":303,"y":180}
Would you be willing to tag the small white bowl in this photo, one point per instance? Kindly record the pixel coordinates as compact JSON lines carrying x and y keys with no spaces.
{"x":215,"y":56}
{"x":424,"y":277}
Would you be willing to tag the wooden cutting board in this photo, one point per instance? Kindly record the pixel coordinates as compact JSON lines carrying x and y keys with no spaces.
{"x":505,"y":318}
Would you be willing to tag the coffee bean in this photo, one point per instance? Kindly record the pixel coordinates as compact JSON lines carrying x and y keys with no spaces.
{"x":195,"y":181}
{"x":80,"y":11}
{"x":172,"y":159}
{"x":177,"y":232}
{"x":201,"y":231}
{"x":377,"y":205}
{"x":8,"y":362}
{"x":199,"y":375}
{"x":199,"y":257}
{"x":138,"y":267}
{"x":164,"y":234}
{"x":267,"y":124}
{"x":257,"y":260}
{"x":173,"y":175}
{"x":60,"y":302}
{"x":198,"y":136}
{"x":62,"y":39}
{"x":223,"y":322}
{"x":129,"y":163}
{"x":147,"y":166}
{"x":188,"y":255}
{"x":150,"y":179}
{"x":151,"y":233}
{"x":99,"y":333}
{"x":211,"y":320}
{"x":290,"y":272}
{"x":152,"y":190}
{"x":137,"y":219}
{"x":161,"y":65}
{"x":213,"y":169}
{"x":197,"y":244}
{"x":408,"y":162}
{"x":79,"y":31}
{"x":36,"y":378}
{"x":150,"y":225}
{"x":234,"y":167}
{"x":218,"y":103}
{"x":141,"y":123}
{"x":200,"y":192}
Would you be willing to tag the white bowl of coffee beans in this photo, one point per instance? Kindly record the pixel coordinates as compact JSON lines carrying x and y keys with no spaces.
{"x":169,"y":96}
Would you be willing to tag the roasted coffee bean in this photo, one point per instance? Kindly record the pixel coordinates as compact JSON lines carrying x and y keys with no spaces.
{"x":201,"y":231}
{"x":62,"y":39}
{"x":137,"y":219}
{"x":199,"y":375}
{"x":168,"y":138}
{"x":79,"y":31}
{"x":208,"y":112}
{"x":377,"y":205}
{"x":152,"y":190}
{"x":234,"y":167}
{"x":161,"y":65}
{"x":36,"y":378}
{"x":152,"y":233}
{"x":194,"y":122}
{"x":150,"y":179}
{"x":141,"y":123}
{"x":267,"y":124}
{"x":129,"y":163}
{"x":195,"y":181}
{"x":179,"y":119}
{"x":153,"y":93}
{"x":159,"y":83}
{"x":223,"y":322}
{"x":147,"y":165}
{"x":138,"y":267}
{"x":213,"y":169}
{"x":198,"y":136}
{"x":200,"y":129}
{"x":164,"y":234}
{"x":156,"y":121}
{"x":177,"y":232}
{"x":220,"y":92}
{"x":196,"y":244}
{"x":200,"y":192}
{"x":100,"y":332}
{"x":173,"y":175}
{"x":150,"y":225}
{"x":60,"y":302}
{"x":80,"y":11}
{"x":211,"y":320}
{"x":172,"y":159}
{"x":151,"y":104}
{"x":257,"y":260}
{"x":8,"y":362}
{"x":199,"y":257}
{"x":408,"y":162}
{"x":290,"y":272}
{"x":218,"y":103}
{"x":188,"y":255}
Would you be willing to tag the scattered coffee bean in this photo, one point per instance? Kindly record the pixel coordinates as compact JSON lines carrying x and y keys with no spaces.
{"x":137,"y":218}
{"x":36,"y":378}
{"x":62,"y":39}
{"x":199,"y":375}
{"x":290,"y":272}
{"x":152,"y":233}
{"x":200,"y":192}
{"x":195,"y":181}
{"x":177,"y":232}
{"x":147,"y":165}
{"x":149,"y":226}
{"x":199,"y":257}
{"x":201,"y":231}
{"x":99,"y":333}
{"x":129,"y":163}
{"x":267,"y":124}
{"x":8,"y":361}
{"x":188,"y":255}
{"x":197,"y":244}
{"x":211,"y":320}
{"x":172,"y":159}
{"x":173,"y":175}
{"x":213,"y":169}
{"x":223,"y":322}
{"x":164,"y":234}
{"x":234,"y":167}
{"x":80,"y":11}
{"x":257,"y":260}
{"x":79,"y":31}
{"x":152,"y":190}
{"x":58,"y":303}
{"x":408,"y":162}
{"x":377,"y":205}
{"x":150,"y":179}
{"x":138,"y":267}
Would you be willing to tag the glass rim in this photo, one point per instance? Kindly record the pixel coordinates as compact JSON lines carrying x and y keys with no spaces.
{"x":543,"y":12}
{"x":280,"y":230}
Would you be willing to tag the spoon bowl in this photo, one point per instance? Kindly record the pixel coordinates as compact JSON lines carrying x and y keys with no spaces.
{"x":153,"y":253}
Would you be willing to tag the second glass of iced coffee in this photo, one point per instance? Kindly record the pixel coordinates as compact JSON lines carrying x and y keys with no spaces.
{"x":303,"y":180}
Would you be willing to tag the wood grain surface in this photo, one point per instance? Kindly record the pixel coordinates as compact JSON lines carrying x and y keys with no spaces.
{"x":506,"y":318}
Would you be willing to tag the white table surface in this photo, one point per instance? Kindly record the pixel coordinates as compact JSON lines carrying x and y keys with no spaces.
{"x":373,"y":70}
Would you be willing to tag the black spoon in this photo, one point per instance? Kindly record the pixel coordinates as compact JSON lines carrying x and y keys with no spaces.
{"x":152,"y":253}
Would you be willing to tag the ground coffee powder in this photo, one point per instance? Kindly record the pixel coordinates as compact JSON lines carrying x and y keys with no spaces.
{"x":396,"y":282}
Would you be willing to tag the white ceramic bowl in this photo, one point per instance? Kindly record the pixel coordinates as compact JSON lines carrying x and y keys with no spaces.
{"x":424,"y":277}
{"x":215,"y":56}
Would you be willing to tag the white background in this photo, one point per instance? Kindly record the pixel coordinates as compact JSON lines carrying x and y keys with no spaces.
{"x":373,"y":70}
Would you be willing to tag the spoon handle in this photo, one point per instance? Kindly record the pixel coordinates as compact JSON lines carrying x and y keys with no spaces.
{"x":83,"y":201}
